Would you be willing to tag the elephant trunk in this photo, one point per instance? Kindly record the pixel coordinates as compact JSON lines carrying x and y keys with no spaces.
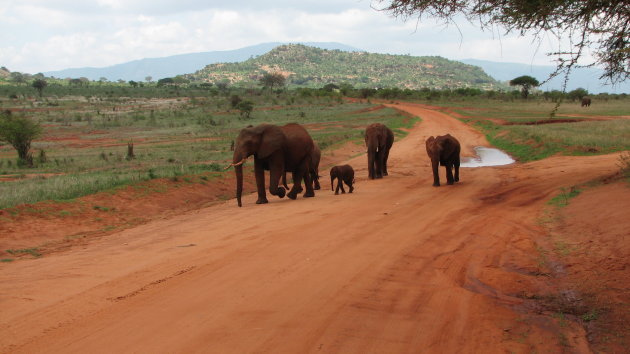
{"x":332,"y":182}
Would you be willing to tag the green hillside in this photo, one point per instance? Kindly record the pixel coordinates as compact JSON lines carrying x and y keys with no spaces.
{"x":314,"y":67}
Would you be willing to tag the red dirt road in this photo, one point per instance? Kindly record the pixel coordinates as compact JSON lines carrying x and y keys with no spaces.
{"x":398,"y":266}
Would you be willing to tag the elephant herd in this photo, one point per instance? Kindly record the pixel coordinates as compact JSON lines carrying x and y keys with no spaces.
{"x":290,"y":148}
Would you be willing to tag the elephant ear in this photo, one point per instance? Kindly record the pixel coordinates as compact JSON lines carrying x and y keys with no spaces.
{"x":273,"y":139}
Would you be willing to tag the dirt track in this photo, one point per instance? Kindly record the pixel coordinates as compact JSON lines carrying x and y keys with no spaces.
{"x":397,"y":266}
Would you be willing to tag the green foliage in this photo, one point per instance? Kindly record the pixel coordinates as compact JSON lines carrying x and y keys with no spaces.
{"x":273,"y":79}
{"x":315,"y":67}
{"x":246,"y":108}
{"x":599,"y":27}
{"x":526,"y":82}
{"x":39,"y":85}
{"x":19,"y":132}
{"x":577,"y":94}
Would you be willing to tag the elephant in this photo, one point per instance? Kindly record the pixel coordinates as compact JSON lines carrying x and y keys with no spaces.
{"x":586,"y":101}
{"x":276,"y":149}
{"x":343,"y":173}
{"x":444,"y":150}
{"x":379,"y":140}
{"x":316,"y":156}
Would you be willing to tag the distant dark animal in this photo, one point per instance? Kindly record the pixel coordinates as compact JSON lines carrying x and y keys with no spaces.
{"x":586,"y":101}
{"x":379,"y":140}
{"x":344,"y":173}
{"x":444,"y":150}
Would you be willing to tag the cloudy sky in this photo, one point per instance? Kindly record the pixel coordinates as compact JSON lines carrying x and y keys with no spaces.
{"x":45,"y":35}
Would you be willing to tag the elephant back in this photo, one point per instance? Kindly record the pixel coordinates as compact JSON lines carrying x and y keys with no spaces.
{"x":299,"y":144}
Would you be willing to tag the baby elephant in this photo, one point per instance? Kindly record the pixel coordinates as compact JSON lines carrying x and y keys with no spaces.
{"x":345,"y":174}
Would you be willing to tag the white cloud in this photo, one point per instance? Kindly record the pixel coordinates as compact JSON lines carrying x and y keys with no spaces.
{"x":45,"y":35}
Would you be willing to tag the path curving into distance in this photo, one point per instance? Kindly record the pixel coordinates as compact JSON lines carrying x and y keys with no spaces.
{"x":398,"y":266}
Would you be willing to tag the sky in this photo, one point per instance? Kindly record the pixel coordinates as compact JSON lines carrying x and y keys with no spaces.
{"x":46,"y":35}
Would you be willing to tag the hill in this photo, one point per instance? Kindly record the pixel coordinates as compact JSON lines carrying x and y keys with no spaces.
{"x":314,"y":67}
{"x":587,"y":78}
{"x":175,"y":65}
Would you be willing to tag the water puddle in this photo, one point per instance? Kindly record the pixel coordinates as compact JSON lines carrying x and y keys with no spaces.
{"x":487,"y":157}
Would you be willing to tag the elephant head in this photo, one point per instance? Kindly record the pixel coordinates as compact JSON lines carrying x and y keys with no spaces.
{"x":444,"y":150}
{"x":261,"y":141}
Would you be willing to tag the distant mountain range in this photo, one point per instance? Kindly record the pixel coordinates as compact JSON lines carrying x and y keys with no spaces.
{"x":306,"y":66}
{"x":587,"y":78}
{"x":174,"y":65}
{"x":171,"y":66}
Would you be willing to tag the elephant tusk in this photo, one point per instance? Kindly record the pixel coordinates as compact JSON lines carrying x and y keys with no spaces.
{"x":236,"y":164}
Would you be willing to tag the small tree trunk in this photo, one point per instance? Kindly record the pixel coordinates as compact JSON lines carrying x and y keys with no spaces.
{"x":130,"y":154}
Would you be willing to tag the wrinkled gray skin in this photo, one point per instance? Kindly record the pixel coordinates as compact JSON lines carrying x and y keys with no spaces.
{"x":314,"y":170}
{"x":275,"y":149}
{"x":586,"y":101}
{"x":379,"y":140}
{"x":344,"y":173}
{"x":444,"y":150}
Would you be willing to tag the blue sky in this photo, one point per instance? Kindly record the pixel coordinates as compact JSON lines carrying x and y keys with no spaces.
{"x":45,"y":35}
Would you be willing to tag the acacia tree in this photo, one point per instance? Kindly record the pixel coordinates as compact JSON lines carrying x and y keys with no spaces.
{"x":272,"y":79}
{"x":602,"y":26}
{"x":19,"y":132}
{"x":39,"y":85}
{"x":526,"y":83}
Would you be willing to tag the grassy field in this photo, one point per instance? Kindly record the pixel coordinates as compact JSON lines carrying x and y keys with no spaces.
{"x":85,"y":141}
{"x":602,"y":128}
{"x":178,"y":131}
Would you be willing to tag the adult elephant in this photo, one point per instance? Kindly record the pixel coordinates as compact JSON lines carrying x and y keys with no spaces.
{"x":316,"y":156}
{"x":586,"y":101}
{"x":444,"y":150}
{"x":379,"y":140}
{"x":276,"y":149}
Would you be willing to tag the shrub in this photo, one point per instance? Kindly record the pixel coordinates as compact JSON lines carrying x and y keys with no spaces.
{"x":19,"y":132}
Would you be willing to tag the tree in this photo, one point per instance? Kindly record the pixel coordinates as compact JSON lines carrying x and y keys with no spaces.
{"x":39,"y":85}
{"x":165,"y":81}
{"x":526,"y":83}
{"x":246,"y":108}
{"x":272,"y":79}
{"x":19,"y":132}
{"x":148,"y":78}
{"x":17,"y":77}
{"x":133,"y":83}
{"x":602,"y":26}
{"x":577,"y":94}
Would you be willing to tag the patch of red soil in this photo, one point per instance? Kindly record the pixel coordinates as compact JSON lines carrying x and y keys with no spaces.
{"x":592,"y":238}
{"x":53,"y":226}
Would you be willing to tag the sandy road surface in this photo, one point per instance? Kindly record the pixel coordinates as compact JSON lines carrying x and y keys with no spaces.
{"x":397,"y":266}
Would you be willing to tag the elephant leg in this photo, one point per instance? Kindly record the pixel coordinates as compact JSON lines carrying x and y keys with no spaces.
{"x":350,"y":185}
{"x":343,"y":191}
{"x":385,"y":157}
{"x":449,"y":174}
{"x":436,"y":173}
{"x":339,"y":182}
{"x":298,"y":175}
{"x":284,"y":180}
{"x":371,"y":154}
{"x":308,"y":181}
{"x":259,"y":172}
{"x":315,"y":178}
{"x":457,"y":169}
{"x":276,"y":171}
{"x":379,"y":164}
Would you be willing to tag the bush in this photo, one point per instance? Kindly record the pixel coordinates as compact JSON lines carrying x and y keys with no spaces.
{"x":19,"y":132}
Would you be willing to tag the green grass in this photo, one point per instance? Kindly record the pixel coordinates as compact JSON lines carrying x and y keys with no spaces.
{"x":535,"y":142}
{"x":179,"y":139}
{"x":562,"y":199}
{"x":32,"y":251}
